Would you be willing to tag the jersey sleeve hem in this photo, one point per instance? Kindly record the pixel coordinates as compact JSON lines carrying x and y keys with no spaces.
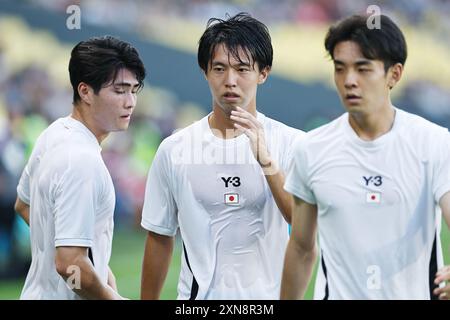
{"x":293,"y":190}
{"x":158,"y":229}
{"x":73,"y":242}
{"x":441,"y":191}
{"x":22,"y":196}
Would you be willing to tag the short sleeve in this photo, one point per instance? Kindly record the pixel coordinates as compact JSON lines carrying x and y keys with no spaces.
{"x":159,"y":214}
{"x":23,"y":188}
{"x":75,"y":197}
{"x":297,"y":178}
{"x":286,"y":159}
{"x":441,"y":172}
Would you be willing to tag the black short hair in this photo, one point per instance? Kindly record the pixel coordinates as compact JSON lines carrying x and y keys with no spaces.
{"x":386,"y":43}
{"x":240,"y":31}
{"x":97,"y":60}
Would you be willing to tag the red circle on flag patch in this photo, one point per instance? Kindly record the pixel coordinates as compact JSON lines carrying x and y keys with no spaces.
{"x":231,"y":198}
{"x":373,"y":197}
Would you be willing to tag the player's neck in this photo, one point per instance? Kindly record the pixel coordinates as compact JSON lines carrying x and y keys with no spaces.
{"x":221,"y":125}
{"x":87,"y":121}
{"x":370,"y":126}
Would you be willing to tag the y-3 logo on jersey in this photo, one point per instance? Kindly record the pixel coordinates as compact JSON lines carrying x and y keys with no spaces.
{"x":376,"y":180}
{"x":234,"y":181}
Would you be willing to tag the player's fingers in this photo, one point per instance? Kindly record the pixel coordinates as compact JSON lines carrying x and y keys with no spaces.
{"x":439,"y":291}
{"x":237,"y":129}
{"x":244,"y":114}
{"x":243,"y":121}
{"x":440,"y":277}
{"x":241,"y":128}
{"x":443,"y":270}
{"x":246,"y":131}
{"x":250,"y":123}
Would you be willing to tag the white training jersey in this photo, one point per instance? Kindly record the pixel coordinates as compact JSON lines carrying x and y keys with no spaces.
{"x":377,"y":206}
{"x":214,"y":191}
{"x":71,"y":198}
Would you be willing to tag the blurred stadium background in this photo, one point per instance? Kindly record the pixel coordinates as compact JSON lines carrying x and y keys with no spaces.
{"x":35,"y":46}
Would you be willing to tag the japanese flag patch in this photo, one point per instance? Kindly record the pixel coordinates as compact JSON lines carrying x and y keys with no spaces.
{"x":373,"y":197}
{"x":231,"y":199}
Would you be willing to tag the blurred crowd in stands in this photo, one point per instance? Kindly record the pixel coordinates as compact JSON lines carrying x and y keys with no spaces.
{"x":432,"y":13}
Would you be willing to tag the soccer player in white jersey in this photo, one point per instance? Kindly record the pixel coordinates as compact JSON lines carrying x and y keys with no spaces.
{"x":220,"y":180}
{"x":66,"y":193}
{"x":369,"y":182}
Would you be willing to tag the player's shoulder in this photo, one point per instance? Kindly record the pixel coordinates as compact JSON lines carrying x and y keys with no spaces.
{"x":324,"y":134}
{"x":49,"y":133}
{"x":417,"y":125}
{"x":273,"y":126}
{"x":73,"y":146}
{"x":183,"y":137}
{"x":79,"y":159}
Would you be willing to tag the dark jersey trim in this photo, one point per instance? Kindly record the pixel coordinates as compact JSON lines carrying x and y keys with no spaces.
{"x":194,"y":287}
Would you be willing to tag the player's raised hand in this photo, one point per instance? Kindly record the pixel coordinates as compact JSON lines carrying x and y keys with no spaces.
{"x":253,"y":129}
{"x":443,"y":275}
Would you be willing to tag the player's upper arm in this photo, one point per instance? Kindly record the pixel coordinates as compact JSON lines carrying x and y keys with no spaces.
{"x":444,"y":203}
{"x":159,"y":213}
{"x":75,"y":196}
{"x":66,"y":257}
{"x":19,"y":206}
{"x":304,"y":224}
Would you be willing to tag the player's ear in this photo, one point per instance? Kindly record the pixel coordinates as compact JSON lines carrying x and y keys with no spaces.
{"x":205,"y":72}
{"x":263,"y":74}
{"x":85,"y":92}
{"x":394,"y":74}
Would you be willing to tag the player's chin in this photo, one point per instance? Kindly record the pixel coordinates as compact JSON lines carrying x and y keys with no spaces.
{"x":122,"y":127}
{"x":353,"y":108}
{"x":227,"y":108}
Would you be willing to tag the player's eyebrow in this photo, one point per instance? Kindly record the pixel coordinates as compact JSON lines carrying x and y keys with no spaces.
{"x":364,"y":62}
{"x":240,"y":64}
{"x":360,"y":62}
{"x":126,"y":84}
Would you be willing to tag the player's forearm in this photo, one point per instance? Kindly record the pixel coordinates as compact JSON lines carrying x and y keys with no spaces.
{"x":157,"y":256}
{"x":93,"y":289}
{"x":283,"y":199}
{"x":298,"y":267}
{"x":23,"y":210}
{"x":25,"y":214}
{"x":112,"y":280}
{"x":82,"y":278}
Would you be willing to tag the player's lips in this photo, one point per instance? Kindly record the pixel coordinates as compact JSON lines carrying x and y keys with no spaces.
{"x":352,"y":98}
{"x":126,"y":116}
{"x":231,"y":96}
